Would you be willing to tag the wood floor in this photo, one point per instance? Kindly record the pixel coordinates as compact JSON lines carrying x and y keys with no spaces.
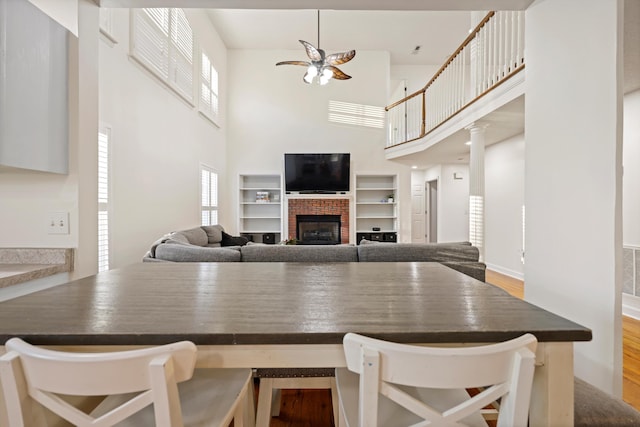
{"x":312,"y":408}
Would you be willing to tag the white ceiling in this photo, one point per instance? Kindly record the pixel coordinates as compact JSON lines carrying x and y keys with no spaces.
{"x":398,"y":32}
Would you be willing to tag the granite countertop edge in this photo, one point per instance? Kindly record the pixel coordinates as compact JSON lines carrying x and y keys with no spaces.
{"x":19,"y":265}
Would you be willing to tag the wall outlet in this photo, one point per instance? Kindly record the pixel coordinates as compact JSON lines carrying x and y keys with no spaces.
{"x":58,"y":222}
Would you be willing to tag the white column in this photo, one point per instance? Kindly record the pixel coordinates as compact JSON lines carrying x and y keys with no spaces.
{"x":476,"y":187}
{"x":573,"y":171}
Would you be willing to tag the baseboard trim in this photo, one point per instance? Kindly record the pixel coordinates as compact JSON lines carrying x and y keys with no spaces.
{"x":631,"y":306}
{"x":505,"y":271}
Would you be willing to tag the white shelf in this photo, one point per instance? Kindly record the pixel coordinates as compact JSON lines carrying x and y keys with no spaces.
{"x":377,"y":203}
{"x":260,"y":217}
{"x":260,"y":203}
{"x":372,"y":210}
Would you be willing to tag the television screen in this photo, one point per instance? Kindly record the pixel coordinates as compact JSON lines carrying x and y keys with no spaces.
{"x":317,"y":172}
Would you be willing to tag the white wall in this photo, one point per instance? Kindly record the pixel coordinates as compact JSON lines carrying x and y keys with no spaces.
{"x":504,"y":198}
{"x":416,"y":76}
{"x":158,"y":143}
{"x":453,"y":201}
{"x":26,"y":198}
{"x":272,"y":112}
{"x":573,"y":113}
{"x":631,"y":177}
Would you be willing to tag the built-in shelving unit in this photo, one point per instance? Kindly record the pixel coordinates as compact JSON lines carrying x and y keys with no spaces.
{"x":260,"y":210}
{"x":376,"y":214}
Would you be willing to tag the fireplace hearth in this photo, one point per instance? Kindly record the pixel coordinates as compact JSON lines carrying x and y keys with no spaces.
{"x":318,"y":229}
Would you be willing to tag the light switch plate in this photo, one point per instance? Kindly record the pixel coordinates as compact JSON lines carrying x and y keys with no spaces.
{"x":58,"y":222}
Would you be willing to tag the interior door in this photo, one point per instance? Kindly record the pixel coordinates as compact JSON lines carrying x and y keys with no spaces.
{"x":431,"y":211}
{"x":417,"y":213}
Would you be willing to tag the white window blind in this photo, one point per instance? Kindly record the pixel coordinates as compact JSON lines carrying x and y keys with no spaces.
{"x":208,"y":88}
{"x":162,"y":40}
{"x":103,"y":198}
{"x":356,"y":114}
{"x":209,"y":192}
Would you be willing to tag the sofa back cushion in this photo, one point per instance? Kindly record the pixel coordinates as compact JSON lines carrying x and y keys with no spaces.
{"x":195,"y":236}
{"x":214,"y":234}
{"x":299,"y":253}
{"x":407,"y":252}
{"x":191,"y":253}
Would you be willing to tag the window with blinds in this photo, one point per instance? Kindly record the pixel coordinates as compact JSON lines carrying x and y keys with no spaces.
{"x":162,"y":41}
{"x":356,"y":114}
{"x":103,"y":198}
{"x":209,"y":192}
{"x":208,"y":88}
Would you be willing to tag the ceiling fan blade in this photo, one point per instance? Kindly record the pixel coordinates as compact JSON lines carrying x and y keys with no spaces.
{"x":313,"y":53}
{"x":337,"y":74}
{"x":340,"y":58}
{"x":303,"y":63}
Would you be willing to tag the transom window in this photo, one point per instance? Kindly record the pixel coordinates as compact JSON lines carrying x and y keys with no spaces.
{"x":208,"y":88}
{"x":162,"y":41}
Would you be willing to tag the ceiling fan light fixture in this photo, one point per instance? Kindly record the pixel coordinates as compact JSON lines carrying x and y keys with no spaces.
{"x":325,"y":76}
{"x":321,"y":65}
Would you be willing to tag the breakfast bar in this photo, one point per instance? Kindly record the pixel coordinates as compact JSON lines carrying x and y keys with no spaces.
{"x":295,"y":315}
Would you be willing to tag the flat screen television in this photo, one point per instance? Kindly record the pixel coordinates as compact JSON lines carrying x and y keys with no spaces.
{"x":317,"y":173}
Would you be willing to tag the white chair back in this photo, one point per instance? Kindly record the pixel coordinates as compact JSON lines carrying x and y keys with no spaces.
{"x":150,"y":375}
{"x":402,"y":372}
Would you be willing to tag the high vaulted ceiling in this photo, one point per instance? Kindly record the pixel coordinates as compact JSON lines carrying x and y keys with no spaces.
{"x":399,"y":32}
{"x":436,"y":26}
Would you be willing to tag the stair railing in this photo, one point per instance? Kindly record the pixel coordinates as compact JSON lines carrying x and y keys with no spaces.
{"x":492,"y":53}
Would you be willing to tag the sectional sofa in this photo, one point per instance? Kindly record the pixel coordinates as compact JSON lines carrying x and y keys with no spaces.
{"x":213,"y":244}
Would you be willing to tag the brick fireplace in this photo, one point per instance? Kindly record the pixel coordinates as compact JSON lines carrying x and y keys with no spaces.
{"x":319,"y":206}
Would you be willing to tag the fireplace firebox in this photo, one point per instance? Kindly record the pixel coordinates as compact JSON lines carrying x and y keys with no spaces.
{"x":318,"y":229}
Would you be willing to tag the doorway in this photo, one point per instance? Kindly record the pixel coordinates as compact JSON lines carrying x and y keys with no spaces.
{"x":431,"y":211}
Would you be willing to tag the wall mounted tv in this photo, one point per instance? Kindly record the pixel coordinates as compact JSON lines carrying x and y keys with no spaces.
{"x":317,"y":173}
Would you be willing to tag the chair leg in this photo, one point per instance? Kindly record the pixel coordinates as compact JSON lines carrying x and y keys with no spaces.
{"x":276,"y":402}
{"x":342,"y":421}
{"x":263,"y":415}
{"x":335,"y":402}
{"x":248,"y":406}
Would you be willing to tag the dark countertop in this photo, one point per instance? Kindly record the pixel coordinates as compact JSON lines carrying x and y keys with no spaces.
{"x":277,"y":303}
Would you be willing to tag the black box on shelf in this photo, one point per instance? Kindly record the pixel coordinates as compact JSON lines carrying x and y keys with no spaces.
{"x":390,"y":237}
{"x":360,"y":236}
{"x":376,"y":237}
{"x":269,"y":238}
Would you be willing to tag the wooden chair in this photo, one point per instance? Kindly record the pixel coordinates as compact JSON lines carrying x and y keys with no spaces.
{"x":156,"y":386}
{"x":411,"y":384}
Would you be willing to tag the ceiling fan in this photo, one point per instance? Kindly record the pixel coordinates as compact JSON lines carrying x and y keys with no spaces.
{"x":322,"y":66}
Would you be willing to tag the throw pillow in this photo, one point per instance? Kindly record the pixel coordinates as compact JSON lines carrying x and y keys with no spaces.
{"x":229,"y":240}
{"x":214,"y":233}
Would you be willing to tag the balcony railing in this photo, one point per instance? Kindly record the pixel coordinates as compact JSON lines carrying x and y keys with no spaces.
{"x":491,"y":54}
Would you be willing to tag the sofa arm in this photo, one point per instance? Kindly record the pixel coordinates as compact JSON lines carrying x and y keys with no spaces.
{"x":477,"y":270}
